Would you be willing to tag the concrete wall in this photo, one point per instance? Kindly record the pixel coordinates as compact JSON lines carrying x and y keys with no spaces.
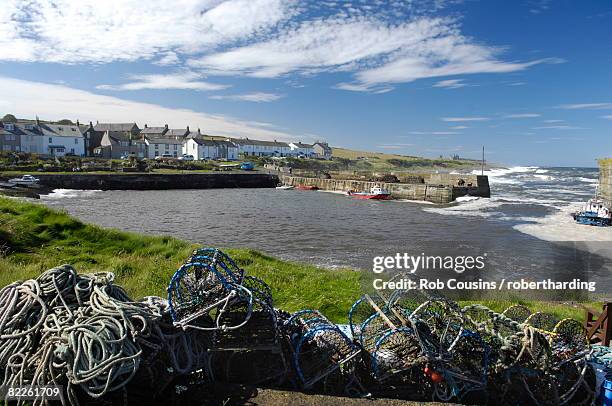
{"x":158,"y":181}
{"x":605,"y":181}
{"x":431,"y":193}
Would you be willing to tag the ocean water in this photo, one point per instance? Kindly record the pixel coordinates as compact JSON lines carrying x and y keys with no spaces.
{"x":525,"y":228}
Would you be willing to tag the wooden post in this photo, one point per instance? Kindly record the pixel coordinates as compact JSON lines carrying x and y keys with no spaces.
{"x":599,"y":330}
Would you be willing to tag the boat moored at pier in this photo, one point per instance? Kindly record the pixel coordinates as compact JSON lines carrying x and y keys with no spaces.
{"x":375,"y":193}
{"x":594,"y":213}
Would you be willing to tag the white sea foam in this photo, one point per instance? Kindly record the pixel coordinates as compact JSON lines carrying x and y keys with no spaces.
{"x":69,"y":193}
{"x":560,"y":226}
{"x":541,"y":171}
{"x":587,"y":180}
{"x":466,"y":198}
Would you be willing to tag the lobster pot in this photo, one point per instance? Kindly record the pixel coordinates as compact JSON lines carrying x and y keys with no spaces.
{"x":220,"y":262}
{"x":195,"y":289}
{"x":249,"y":366}
{"x":371,"y":331}
{"x":361,"y":311}
{"x":246,"y":323}
{"x":325,"y":354}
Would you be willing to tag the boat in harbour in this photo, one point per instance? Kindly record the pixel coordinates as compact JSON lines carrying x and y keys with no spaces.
{"x":284,"y":187}
{"x":307,"y":187}
{"x":375,"y":193}
{"x":25,"y":180}
{"x":594,"y":213}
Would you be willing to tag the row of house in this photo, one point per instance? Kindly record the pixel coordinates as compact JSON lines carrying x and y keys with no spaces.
{"x":117,"y":140}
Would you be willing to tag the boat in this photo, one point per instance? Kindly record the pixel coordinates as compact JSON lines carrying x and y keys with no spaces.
{"x":284,"y":187}
{"x":594,"y":213}
{"x":375,"y":193}
{"x":25,"y":180}
{"x":307,"y":187}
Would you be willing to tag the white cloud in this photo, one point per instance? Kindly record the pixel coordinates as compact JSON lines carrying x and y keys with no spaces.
{"x":459,"y":127}
{"x":28,"y":99}
{"x":553,"y":121}
{"x":558,"y":127}
{"x":88,"y":31}
{"x":586,"y":106}
{"x":517,"y":84}
{"x":379,"y":53}
{"x":169,"y":58}
{"x":607,"y":117}
{"x":258,"y":97}
{"x":258,"y":38}
{"x":450,"y":84}
{"x":434,"y":132}
{"x":523,"y":115}
{"x":463,"y":119}
{"x":182,"y":80}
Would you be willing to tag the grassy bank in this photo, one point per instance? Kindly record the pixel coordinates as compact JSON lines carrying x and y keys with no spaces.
{"x":34,"y":238}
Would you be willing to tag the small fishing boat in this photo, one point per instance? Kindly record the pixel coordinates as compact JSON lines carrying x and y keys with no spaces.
{"x":376,"y":193}
{"x":284,"y":187}
{"x":594,"y":213}
{"x":25,"y":180}
{"x":307,"y":187}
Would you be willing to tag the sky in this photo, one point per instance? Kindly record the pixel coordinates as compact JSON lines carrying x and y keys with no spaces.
{"x":530,"y":80}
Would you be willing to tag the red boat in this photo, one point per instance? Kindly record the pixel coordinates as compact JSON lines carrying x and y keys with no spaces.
{"x":376,"y":193}
{"x":306,"y":187}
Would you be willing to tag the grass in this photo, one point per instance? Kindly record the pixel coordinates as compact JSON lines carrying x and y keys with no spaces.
{"x":34,"y":238}
{"x":381,"y":161}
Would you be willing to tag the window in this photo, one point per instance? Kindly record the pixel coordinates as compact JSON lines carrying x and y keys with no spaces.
{"x":29,"y":126}
{"x":156,"y":147}
{"x":175,"y":147}
{"x":156,"y":152}
{"x":10,"y":126}
{"x":72,"y":150}
{"x":50,"y":140}
{"x":76,"y":141}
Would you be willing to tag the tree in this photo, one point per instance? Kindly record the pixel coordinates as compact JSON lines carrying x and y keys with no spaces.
{"x":65,"y":122}
{"x":9,"y":118}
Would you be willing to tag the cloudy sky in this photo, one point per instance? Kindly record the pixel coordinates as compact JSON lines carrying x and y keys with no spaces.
{"x":531,"y":80}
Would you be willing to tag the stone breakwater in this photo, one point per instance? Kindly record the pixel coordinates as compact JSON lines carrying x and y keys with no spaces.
{"x":605,"y":180}
{"x":155,"y":181}
{"x":432,"y":192}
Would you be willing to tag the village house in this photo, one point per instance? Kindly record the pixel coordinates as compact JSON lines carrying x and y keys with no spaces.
{"x":201,"y":148}
{"x":227,"y":150}
{"x":119,"y":144}
{"x":62,"y":139}
{"x":41,"y":138}
{"x":302,"y":150}
{"x":160,"y":146}
{"x":154,"y":132}
{"x":93,"y":134}
{"x":10,"y":141}
{"x":322,"y":150}
{"x":248,"y":147}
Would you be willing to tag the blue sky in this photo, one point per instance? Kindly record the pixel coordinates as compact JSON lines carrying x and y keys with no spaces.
{"x":530,"y":80}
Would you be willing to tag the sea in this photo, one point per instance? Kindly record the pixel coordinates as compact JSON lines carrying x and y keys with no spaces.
{"x":525,"y":230}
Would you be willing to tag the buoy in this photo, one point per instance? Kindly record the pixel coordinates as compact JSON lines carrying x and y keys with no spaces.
{"x":436,"y":377}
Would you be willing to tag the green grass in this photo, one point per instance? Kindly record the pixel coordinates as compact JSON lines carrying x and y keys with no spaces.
{"x":34,"y":238}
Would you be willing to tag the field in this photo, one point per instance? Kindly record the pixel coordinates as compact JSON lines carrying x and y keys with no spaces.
{"x":34,"y":238}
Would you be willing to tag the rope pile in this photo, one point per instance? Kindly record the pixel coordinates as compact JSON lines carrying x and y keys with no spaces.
{"x":218,"y":327}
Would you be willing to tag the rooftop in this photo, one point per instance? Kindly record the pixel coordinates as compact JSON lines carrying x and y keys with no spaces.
{"x":115,"y":126}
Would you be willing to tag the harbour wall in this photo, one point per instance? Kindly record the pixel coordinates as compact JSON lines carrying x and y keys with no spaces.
{"x":605,"y":181}
{"x":158,"y":181}
{"x":435,"y":193}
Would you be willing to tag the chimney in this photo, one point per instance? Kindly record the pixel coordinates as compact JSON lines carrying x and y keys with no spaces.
{"x":90,"y":124}
{"x":199,"y":132}
{"x":166,"y":126}
{"x":97,"y":122}
{"x":187,"y":129}
{"x":146,"y":126}
{"x":78,"y":124}
{"x":37,"y":121}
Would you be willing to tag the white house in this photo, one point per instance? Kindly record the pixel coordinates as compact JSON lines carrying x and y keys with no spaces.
{"x":322,"y":150}
{"x":200,"y":148}
{"x":160,"y":146}
{"x":249,"y":147}
{"x":299,"y":149}
{"x":203,"y":148}
{"x":61,"y":139}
